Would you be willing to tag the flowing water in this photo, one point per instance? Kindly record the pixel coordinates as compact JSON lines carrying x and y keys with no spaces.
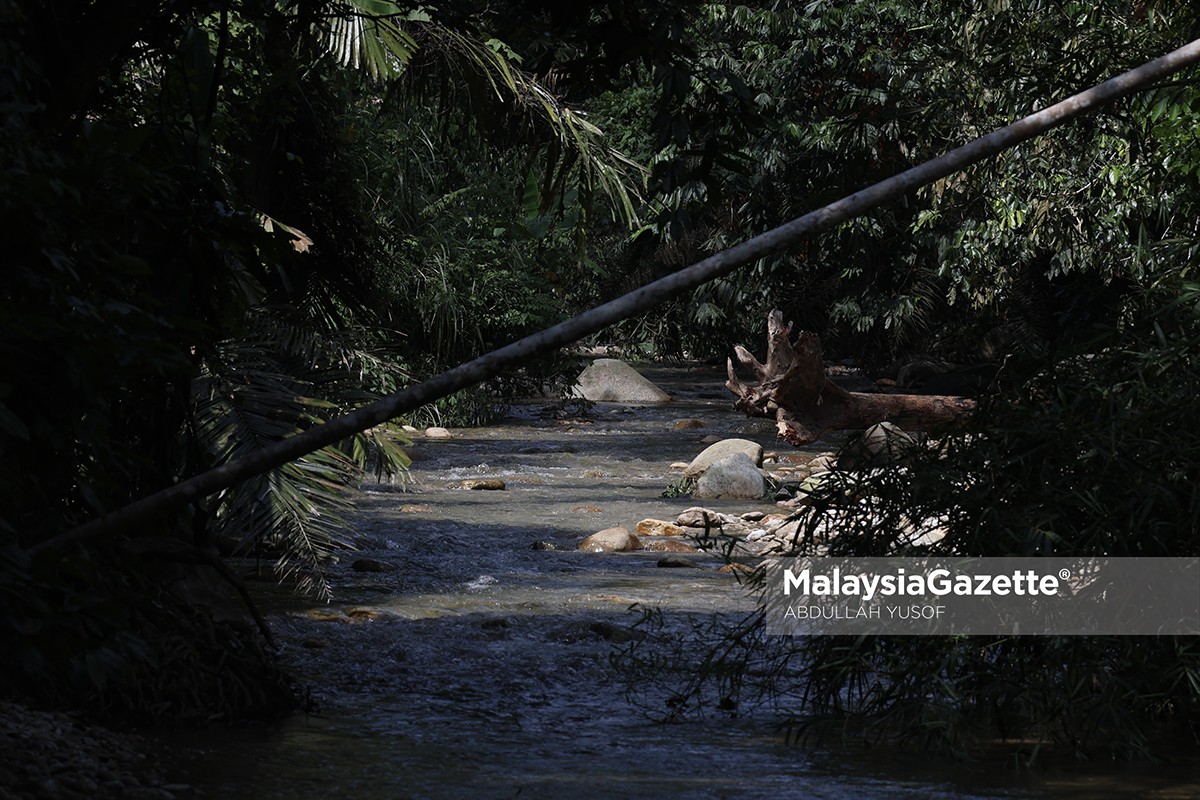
{"x":480,"y":666}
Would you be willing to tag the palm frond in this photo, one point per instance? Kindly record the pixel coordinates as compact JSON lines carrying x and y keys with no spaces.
{"x":380,"y":39}
{"x":575,"y":142}
{"x":366,"y":35}
{"x":274,"y":382}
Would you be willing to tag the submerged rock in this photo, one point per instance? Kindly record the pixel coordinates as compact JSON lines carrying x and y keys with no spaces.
{"x":369,"y":614}
{"x":669,"y":546}
{"x":677,"y":562}
{"x":608,"y":380}
{"x":484,"y":484}
{"x":611,"y":540}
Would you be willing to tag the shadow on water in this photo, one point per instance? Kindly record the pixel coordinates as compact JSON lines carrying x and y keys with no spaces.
{"x":479,"y":666}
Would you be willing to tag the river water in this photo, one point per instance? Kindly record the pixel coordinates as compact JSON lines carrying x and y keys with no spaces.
{"x":481,"y":667}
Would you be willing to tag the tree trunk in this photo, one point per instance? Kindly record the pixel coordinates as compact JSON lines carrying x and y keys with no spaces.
{"x":794,"y":389}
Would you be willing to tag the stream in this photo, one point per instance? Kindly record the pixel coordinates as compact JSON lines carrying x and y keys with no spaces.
{"x":480,"y":666}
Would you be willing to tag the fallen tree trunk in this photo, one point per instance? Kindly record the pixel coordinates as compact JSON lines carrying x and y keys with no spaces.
{"x":806,"y":404}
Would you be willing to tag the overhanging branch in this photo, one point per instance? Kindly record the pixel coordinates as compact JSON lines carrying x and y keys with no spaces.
{"x":149,"y":508}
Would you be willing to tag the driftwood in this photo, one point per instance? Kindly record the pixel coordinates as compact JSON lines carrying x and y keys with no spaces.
{"x":794,"y":389}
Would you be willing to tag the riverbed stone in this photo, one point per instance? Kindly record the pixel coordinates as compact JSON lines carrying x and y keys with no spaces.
{"x":789,"y":532}
{"x":823,"y":463}
{"x":610,"y":380}
{"x":699,"y":517}
{"x":880,"y":445}
{"x":438,"y":433}
{"x":685,"y":424}
{"x":484,"y":484}
{"x":677,"y":562}
{"x":718,"y":450}
{"x":611,"y":540}
{"x":658,"y":527}
{"x":668,"y":546}
{"x":370,"y":614}
{"x":61,"y":756}
{"x":735,"y":476}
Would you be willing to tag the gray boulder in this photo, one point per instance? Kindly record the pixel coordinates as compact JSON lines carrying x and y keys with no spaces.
{"x":697,"y":517}
{"x":718,"y":450}
{"x":823,"y":463}
{"x":734,"y":476}
{"x":608,"y":380}
{"x":879,"y":446}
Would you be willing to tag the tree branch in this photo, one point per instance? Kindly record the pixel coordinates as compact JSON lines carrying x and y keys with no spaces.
{"x":150,"y":509}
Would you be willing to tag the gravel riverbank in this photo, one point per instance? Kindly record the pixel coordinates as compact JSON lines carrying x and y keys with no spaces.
{"x":47,"y":755}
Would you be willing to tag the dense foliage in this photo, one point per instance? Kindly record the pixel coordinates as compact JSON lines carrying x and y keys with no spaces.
{"x":228,"y":221}
{"x":1069,"y":260}
{"x":789,"y":107}
{"x":222,"y":228}
{"x":1092,"y":456}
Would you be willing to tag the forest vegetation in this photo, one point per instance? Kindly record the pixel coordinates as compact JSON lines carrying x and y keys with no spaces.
{"x":226,"y":221}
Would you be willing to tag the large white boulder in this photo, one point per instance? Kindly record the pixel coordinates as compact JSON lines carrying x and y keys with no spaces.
{"x":608,"y":380}
{"x":734,"y":476}
{"x":718,"y":450}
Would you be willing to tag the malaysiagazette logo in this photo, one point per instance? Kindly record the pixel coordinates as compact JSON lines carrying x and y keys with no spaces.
{"x":951,"y":595}
{"x":938,"y":582}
